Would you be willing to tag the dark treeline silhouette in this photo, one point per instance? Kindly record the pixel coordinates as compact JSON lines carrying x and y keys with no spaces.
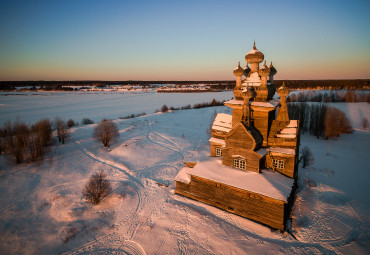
{"x":325,"y":84}
{"x":226,"y":84}
{"x":319,"y":120}
{"x":336,"y":96}
{"x":63,"y":85}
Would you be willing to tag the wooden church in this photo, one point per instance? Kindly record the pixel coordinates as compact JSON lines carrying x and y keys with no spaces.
{"x":254,"y":151}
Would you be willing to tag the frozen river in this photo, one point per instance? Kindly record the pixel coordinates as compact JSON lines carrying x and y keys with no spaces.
{"x":31,"y":107}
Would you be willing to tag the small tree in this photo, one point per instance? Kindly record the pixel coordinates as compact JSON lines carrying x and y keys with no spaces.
{"x":365,"y":123}
{"x":97,"y":188}
{"x":106,"y":131}
{"x":307,"y":157}
{"x":336,"y":123}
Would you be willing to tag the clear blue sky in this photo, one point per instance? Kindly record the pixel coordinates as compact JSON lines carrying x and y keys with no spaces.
{"x":181,"y":40}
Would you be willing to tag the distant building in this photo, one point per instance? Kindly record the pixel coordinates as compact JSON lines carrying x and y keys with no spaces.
{"x":254,"y":155}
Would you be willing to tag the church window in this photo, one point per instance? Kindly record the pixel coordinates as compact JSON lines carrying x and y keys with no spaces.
{"x":218,"y":152}
{"x":278,"y":163}
{"x":239,"y":163}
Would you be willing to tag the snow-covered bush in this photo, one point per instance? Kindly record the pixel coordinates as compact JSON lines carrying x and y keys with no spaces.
{"x":97,"y":188}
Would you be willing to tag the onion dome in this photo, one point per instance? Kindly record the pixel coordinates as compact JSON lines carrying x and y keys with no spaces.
{"x":283,"y":91}
{"x":254,"y":56}
{"x":272,"y":69}
{"x":247,"y":70}
{"x":238,"y":71}
{"x":264,"y":70}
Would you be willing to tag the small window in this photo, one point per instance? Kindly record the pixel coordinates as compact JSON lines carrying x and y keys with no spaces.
{"x":218,"y":152}
{"x":278,"y":163}
{"x":239,"y":163}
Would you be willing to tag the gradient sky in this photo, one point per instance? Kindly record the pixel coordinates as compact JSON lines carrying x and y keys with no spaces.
{"x":181,"y":40}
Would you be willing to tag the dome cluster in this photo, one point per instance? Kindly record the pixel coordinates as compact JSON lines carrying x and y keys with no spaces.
{"x":254,"y":57}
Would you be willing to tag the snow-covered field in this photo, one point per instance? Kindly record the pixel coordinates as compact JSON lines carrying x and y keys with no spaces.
{"x":42,"y":210}
{"x":33,"y":106}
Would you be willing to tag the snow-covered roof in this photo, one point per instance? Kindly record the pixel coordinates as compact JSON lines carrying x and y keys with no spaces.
{"x":271,"y":103}
{"x":183,"y":176}
{"x":217,"y":140}
{"x":267,"y":183}
{"x":286,"y":136}
{"x":293,"y":124}
{"x":262,"y":152}
{"x":234,"y":101}
{"x":282,"y":150}
{"x":223,"y":122}
{"x":289,"y":131}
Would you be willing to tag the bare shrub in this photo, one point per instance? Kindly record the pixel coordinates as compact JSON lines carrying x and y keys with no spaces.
{"x":365,"y":123}
{"x":106,"y":131}
{"x":97,"y":188}
{"x":61,"y":128}
{"x":71,"y":123}
{"x":336,"y":123}
{"x":21,"y":137}
{"x":307,"y":157}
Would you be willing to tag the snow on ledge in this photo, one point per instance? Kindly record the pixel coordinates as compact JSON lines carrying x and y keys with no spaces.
{"x":267,"y":183}
{"x":282,"y":150}
{"x":217,"y":140}
{"x":291,"y":131}
{"x":286,"y":136}
{"x":234,"y":101}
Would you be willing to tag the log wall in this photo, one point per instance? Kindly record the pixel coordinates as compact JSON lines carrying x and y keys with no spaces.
{"x":248,"y":204}
{"x":262,"y":121}
{"x":252,"y":159}
{"x":289,"y":166}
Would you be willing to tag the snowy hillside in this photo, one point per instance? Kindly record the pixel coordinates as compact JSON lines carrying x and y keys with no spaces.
{"x":42,"y":210}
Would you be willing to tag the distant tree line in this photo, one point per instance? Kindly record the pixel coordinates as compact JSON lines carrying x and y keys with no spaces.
{"x":226,"y":84}
{"x":319,"y":120}
{"x":349,"y":96}
{"x":325,"y":84}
